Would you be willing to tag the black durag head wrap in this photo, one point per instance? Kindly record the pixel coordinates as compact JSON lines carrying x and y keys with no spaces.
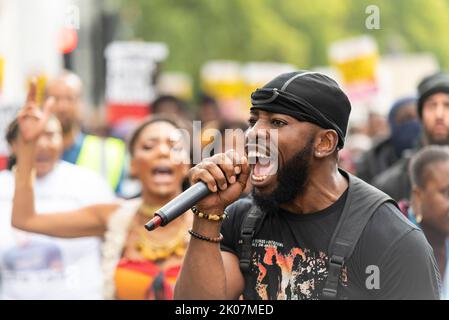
{"x":306,"y":96}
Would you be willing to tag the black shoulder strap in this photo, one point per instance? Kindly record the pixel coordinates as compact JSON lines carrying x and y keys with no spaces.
{"x":249,"y":228}
{"x":361,"y":202}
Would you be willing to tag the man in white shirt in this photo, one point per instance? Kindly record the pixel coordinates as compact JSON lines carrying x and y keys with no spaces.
{"x":41,"y":267}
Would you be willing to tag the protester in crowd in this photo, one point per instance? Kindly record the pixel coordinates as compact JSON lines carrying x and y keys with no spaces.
{"x":208,"y":110}
{"x":136,"y":264}
{"x":404,"y":132}
{"x":377,"y":126}
{"x":106,"y":156}
{"x":34,"y":266}
{"x":429,"y":173}
{"x":309,"y":230}
{"x":433,"y":112}
{"x":355,"y":146}
{"x":168,"y":104}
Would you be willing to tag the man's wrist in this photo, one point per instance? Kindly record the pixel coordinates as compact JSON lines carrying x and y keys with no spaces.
{"x":211,"y":211}
{"x":206,"y":227}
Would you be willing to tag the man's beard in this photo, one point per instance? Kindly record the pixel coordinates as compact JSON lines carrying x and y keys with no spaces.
{"x":428,"y":138}
{"x":291,"y":181}
{"x":438,"y":141}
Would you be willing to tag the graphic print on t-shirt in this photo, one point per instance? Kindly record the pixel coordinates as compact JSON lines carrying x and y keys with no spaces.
{"x":289,"y":273}
{"x":33,"y":257}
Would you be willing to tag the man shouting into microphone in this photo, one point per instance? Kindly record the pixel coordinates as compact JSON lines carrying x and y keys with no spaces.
{"x":309,"y":230}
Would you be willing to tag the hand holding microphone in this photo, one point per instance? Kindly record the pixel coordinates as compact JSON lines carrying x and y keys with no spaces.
{"x":216,"y":182}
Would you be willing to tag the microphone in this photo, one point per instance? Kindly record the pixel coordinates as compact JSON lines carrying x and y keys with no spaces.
{"x":178,"y":205}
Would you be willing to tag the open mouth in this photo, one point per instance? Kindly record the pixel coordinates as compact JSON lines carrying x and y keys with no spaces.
{"x":162,"y":174}
{"x":263,"y":167}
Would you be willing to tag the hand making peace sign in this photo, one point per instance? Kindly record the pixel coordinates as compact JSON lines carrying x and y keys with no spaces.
{"x":32,"y":118}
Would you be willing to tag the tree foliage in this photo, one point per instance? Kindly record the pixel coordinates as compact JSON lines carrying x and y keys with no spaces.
{"x":292,"y":31}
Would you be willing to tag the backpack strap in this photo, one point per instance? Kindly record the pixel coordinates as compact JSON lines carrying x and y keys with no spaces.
{"x":361,"y":203}
{"x":250,"y":226}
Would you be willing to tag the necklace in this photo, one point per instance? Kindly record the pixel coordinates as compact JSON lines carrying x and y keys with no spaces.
{"x":153,"y":250}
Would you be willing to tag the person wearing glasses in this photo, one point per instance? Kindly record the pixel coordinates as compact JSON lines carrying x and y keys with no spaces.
{"x":309,"y":230}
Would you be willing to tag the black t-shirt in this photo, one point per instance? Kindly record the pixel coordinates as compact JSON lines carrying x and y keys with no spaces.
{"x":392,"y":259}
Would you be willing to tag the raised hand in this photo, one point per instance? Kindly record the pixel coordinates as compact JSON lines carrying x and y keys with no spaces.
{"x":32,"y":118}
{"x":226,"y":175}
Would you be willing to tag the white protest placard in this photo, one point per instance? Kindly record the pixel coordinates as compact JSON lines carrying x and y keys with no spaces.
{"x":130,"y":70}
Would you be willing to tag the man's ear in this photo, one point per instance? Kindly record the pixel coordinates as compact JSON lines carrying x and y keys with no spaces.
{"x":327,"y":141}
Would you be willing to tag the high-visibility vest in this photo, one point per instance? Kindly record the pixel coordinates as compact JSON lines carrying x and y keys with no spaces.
{"x":105,"y":156}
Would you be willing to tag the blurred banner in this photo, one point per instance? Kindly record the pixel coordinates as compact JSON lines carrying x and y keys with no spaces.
{"x":131,"y":71}
{"x":177,"y":84}
{"x":232,"y":83}
{"x":372,"y":82}
{"x":357,"y":61}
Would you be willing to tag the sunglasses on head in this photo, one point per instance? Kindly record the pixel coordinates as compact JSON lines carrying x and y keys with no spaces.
{"x":265,"y":96}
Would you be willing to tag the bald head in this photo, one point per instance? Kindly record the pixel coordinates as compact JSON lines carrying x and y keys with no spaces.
{"x":69,"y":79}
{"x":66,"y":88}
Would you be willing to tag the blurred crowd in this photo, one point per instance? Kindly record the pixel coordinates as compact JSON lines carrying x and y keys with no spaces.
{"x":103,"y":189}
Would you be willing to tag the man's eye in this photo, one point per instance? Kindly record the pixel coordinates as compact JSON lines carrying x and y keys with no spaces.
{"x":278,"y":123}
{"x":252,"y":122}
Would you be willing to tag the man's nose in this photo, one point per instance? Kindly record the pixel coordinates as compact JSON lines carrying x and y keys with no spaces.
{"x":258,"y":132}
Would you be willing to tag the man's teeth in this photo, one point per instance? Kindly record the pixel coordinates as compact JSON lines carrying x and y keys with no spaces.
{"x":255,"y":154}
{"x":258,"y":178}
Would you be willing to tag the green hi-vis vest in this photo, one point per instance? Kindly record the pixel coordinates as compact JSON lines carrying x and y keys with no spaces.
{"x":105,"y":156}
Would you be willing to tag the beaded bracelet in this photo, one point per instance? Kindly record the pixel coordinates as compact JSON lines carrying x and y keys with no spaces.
{"x":211,"y":217}
{"x":204,"y":238}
